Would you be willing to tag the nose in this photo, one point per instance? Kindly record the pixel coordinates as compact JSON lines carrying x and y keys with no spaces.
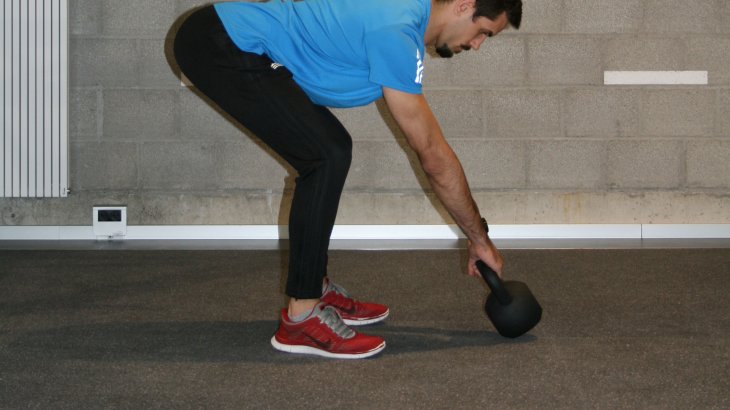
{"x":477,"y":42}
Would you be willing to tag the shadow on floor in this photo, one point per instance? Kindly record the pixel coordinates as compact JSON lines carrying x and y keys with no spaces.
{"x":217,"y":342}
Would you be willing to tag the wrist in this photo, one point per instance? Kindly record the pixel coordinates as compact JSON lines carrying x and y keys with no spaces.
{"x":479,"y":234}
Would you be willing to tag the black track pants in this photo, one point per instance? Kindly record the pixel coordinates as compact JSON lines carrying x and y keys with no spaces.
{"x":267,"y":101}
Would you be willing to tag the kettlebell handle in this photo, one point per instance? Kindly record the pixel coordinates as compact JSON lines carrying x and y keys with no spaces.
{"x":495,"y":283}
{"x":490,"y":276}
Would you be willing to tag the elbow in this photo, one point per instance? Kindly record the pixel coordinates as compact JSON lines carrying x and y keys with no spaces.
{"x":432,"y":167}
{"x":436,"y":162}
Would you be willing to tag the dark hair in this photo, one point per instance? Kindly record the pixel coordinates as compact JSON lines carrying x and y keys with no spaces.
{"x":492,"y":9}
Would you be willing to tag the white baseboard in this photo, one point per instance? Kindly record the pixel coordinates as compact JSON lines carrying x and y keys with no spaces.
{"x":697,"y":231}
{"x":376,"y":232}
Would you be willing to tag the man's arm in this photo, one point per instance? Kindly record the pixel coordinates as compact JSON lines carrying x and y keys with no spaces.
{"x":444,"y":172}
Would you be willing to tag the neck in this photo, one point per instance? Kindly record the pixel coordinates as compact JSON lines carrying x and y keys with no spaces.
{"x":436,"y":22}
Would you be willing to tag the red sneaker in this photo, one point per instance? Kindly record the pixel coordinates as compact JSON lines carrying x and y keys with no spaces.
{"x":353,"y":312}
{"x":324,"y":333}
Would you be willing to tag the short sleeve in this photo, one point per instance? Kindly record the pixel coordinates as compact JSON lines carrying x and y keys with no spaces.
{"x":396,"y":59}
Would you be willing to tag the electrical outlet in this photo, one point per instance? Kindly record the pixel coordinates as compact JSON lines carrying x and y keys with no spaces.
{"x":110,"y":222}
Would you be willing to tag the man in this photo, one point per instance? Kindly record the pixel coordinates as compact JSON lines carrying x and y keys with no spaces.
{"x":275,"y":66}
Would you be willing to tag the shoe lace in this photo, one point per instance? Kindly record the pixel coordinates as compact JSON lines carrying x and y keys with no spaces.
{"x":340,"y":298}
{"x":333,"y":287}
{"x":330,"y":318}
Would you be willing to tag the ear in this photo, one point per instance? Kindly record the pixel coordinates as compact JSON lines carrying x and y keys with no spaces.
{"x":464,"y":6}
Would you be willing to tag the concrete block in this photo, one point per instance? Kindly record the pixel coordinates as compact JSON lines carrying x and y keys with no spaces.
{"x":141,"y":114}
{"x":567,"y":208}
{"x":457,"y":111}
{"x":678,"y":207}
{"x":708,"y":164}
{"x":601,"y":112}
{"x":604,"y":207}
{"x":186,"y":5}
{"x":384,"y":165}
{"x":499,"y":61}
{"x":723,"y":113}
{"x":438,"y":71}
{"x":106,"y":62}
{"x":541,"y":207}
{"x":598,"y":16}
{"x":500,"y":207}
{"x":492,"y":164}
{"x":386,"y":208}
{"x":724,"y":17}
{"x":369,"y":122}
{"x":138,"y":17}
{"x":179,"y":165}
{"x":156,"y":208}
{"x":564,"y":61}
{"x":681,"y":16}
{"x":201,"y":120}
{"x":84,"y":17}
{"x":645,"y":164}
{"x":104,"y":166}
{"x":677,"y":112}
{"x":47,"y":212}
{"x":567,"y":164}
{"x":711,"y":53}
{"x":542,"y":16}
{"x":250,"y":165}
{"x":211,"y":208}
{"x":84,"y":113}
{"x":644,"y":54}
{"x":523,"y":113}
{"x":155,"y":68}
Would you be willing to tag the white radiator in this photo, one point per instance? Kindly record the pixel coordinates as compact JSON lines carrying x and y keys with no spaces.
{"x":34,"y":105}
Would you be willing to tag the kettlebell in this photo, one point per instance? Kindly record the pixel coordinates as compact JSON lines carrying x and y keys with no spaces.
{"x":510,"y":306}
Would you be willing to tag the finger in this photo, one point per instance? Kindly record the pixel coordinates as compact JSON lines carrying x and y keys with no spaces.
{"x":473,"y":271}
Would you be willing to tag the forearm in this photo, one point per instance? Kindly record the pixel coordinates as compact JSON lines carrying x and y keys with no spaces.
{"x":448,"y":180}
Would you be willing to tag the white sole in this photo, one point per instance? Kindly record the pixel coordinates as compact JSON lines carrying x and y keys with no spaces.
{"x":298,"y":349}
{"x":351,"y":322}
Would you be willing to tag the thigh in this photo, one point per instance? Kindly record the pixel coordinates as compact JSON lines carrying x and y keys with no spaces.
{"x":276,"y":110}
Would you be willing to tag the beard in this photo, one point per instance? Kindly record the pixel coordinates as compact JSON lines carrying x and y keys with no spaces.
{"x":444,"y":51}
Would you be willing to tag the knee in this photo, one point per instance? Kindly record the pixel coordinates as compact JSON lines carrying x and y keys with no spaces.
{"x":332,"y":161}
{"x":339,"y":156}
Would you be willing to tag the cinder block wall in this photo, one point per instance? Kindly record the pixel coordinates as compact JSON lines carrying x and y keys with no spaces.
{"x":541,"y":138}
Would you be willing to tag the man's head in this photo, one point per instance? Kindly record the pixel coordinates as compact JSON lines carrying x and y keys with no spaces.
{"x":491,"y":9}
{"x":473,"y":21}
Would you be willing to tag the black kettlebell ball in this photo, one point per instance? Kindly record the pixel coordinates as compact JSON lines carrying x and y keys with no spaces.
{"x":511,"y":307}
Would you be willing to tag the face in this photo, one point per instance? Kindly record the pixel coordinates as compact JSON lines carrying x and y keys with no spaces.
{"x":465,"y":33}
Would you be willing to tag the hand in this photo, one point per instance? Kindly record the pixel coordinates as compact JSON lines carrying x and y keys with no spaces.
{"x":488,"y":253}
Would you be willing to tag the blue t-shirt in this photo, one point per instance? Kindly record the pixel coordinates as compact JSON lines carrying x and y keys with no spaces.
{"x":341,"y":52}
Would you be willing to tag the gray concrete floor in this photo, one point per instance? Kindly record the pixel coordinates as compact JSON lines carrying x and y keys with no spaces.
{"x":123,"y":328}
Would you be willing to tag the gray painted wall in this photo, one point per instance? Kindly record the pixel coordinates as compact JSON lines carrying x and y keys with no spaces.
{"x":541,"y":138}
